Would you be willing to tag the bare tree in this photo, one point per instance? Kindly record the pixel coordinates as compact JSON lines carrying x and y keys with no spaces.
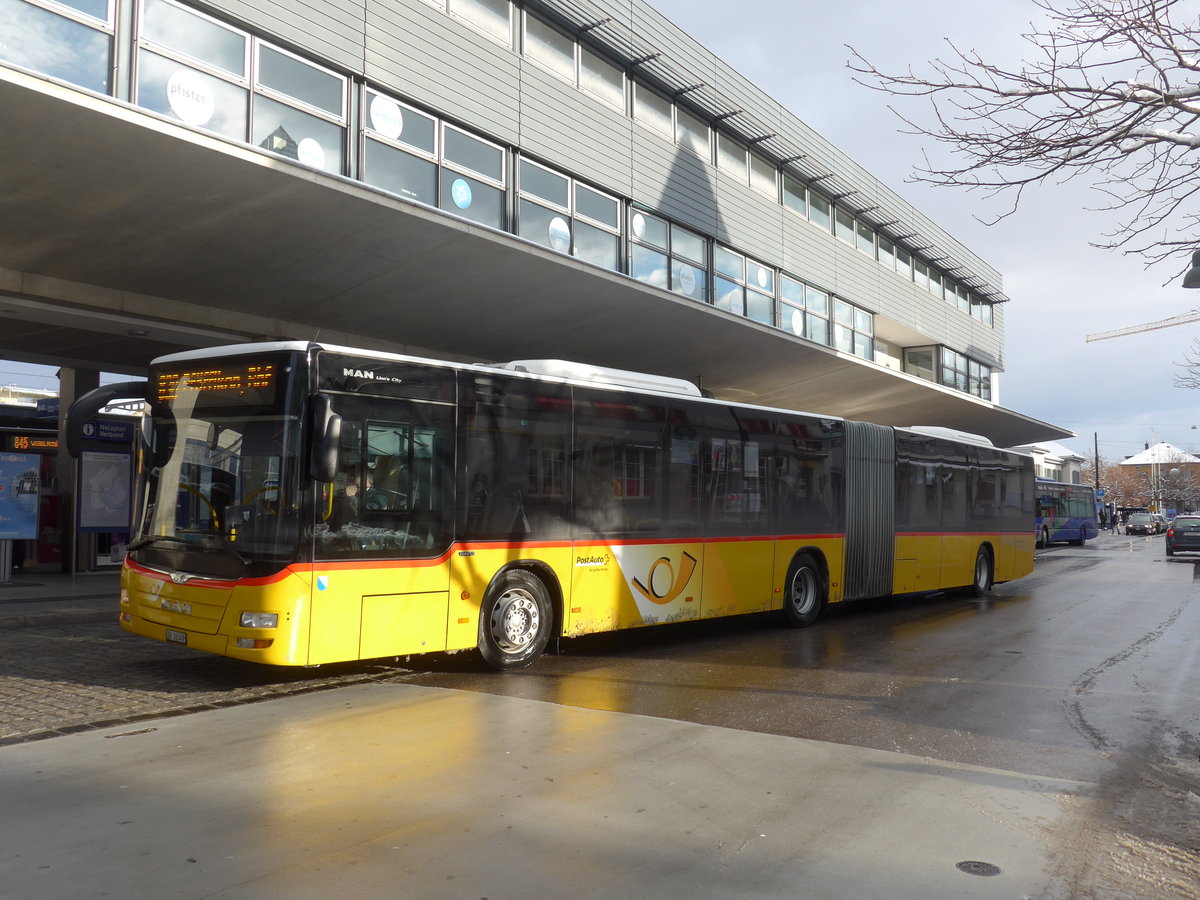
{"x":1111,"y":92}
{"x":1190,"y":378}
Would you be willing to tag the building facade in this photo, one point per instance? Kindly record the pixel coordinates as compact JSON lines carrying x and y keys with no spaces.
{"x":594,"y":129}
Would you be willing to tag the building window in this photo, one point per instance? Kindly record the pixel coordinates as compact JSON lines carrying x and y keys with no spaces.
{"x":597,"y":227}
{"x":887,"y":253}
{"x":729,"y":276}
{"x":844,"y":226}
{"x":743,"y":286}
{"x":195,"y":37}
{"x":401,"y":154}
{"x":865,"y":236}
{"x":935,"y":282}
{"x":601,"y":78}
{"x":668,"y":256}
{"x":692,"y":132}
{"x":904,"y":263}
{"x":764,"y":177}
{"x":921,"y":274}
{"x":416,"y":156}
{"x":212,"y":76}
{"x":818,"y":210}
{"x":795,"y":195}
{"x":853,"y":329}
{"x":979,"y":379}
{"x":956,"y":370}
{"x":570,"y":60}
{"x":472,"y":177}
{"x":803,"y":310}
{"x":298,"y":110}
{"x":919,"y":361}
{"x":193,"y":68}
{"x":653,"y":110}
{"x":492,"y":17}
{"x":981,"y":311}
{"x":549,"y":47}
{"x":732,"y":158}
{"x":72,"y":40}
{"x":559,"y":213}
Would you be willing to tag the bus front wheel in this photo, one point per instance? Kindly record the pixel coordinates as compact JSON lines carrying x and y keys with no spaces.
{"x":803,"y":592}
{"x":514,"y":621}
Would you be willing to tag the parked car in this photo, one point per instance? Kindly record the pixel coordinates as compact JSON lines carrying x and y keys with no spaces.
{"x":1161,"y":521}
{"x":1184,"y":535}
{"x":1141,"y":523}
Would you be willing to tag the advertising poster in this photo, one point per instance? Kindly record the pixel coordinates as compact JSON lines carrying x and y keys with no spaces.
{"x":104,"y":490}
{"x":20,"y":487}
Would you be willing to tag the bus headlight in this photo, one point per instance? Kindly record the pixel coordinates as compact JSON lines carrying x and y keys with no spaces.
{"x":124,"y":597}
{"x":259,"y":620}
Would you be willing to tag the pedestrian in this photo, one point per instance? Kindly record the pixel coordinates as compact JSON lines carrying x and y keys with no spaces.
{"x":1103,"y":518}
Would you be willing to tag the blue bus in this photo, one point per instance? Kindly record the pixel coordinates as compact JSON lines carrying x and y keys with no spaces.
{"x":1065,"y":512}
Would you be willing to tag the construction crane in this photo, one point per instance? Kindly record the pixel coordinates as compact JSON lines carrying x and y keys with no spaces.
{"x":1182,"y":319}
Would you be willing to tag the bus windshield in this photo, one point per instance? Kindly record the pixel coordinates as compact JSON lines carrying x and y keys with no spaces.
{"x":220,"y":482}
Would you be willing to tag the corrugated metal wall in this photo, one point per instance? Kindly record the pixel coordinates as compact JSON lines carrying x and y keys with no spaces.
{"x":436,"y":60}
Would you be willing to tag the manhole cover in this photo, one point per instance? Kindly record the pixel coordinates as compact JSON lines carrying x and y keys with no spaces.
{"x":975,"y":867}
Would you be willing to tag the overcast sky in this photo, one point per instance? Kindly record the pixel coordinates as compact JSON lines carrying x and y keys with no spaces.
{"x":1061,"y":289}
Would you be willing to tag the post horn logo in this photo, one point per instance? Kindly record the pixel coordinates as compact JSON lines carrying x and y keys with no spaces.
{"x":687,"y":565}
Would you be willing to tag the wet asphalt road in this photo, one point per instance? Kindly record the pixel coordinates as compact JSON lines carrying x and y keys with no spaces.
{"x":1087,"y":670}
{"x":1096,"y":653}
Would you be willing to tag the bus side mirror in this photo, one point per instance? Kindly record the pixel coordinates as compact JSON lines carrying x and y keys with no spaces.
{"x":326,"y":432}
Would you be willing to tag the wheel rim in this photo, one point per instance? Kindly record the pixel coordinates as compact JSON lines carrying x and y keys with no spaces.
{"x":515,"y":621}
{"x":803,"y":594}
{"x":981,"y":572}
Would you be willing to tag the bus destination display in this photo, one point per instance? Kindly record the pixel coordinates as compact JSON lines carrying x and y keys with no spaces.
{"x":250,"y":382}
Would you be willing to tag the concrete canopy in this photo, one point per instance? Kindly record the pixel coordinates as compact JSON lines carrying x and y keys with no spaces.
{"x":124,"y":235}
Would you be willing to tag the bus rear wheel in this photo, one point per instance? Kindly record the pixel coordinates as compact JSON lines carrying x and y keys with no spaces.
{"x":803,"y":592}
{"x":514,"y":621}
{"x":982,"y":582}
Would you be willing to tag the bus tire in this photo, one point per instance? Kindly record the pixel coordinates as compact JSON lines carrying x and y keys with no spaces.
{"x":982,"y":581}
{"x":514,"y":621}
{"x":804,"y":592}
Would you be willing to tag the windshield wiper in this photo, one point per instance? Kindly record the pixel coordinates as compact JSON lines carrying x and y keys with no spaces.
{"x":226,"y":544}
{"x":222,"y":543}
{"x":153,"y":539}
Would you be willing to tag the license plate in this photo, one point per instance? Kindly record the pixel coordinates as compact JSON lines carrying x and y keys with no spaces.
{"x":178,"y":637}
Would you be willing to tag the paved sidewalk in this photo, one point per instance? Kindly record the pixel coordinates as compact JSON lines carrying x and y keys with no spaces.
{"x":54,"y":598}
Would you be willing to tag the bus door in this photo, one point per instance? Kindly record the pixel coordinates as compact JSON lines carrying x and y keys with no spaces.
{"x":383,"y":531}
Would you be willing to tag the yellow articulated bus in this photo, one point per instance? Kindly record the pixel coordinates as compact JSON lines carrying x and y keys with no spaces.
{"x":300,"y":504}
